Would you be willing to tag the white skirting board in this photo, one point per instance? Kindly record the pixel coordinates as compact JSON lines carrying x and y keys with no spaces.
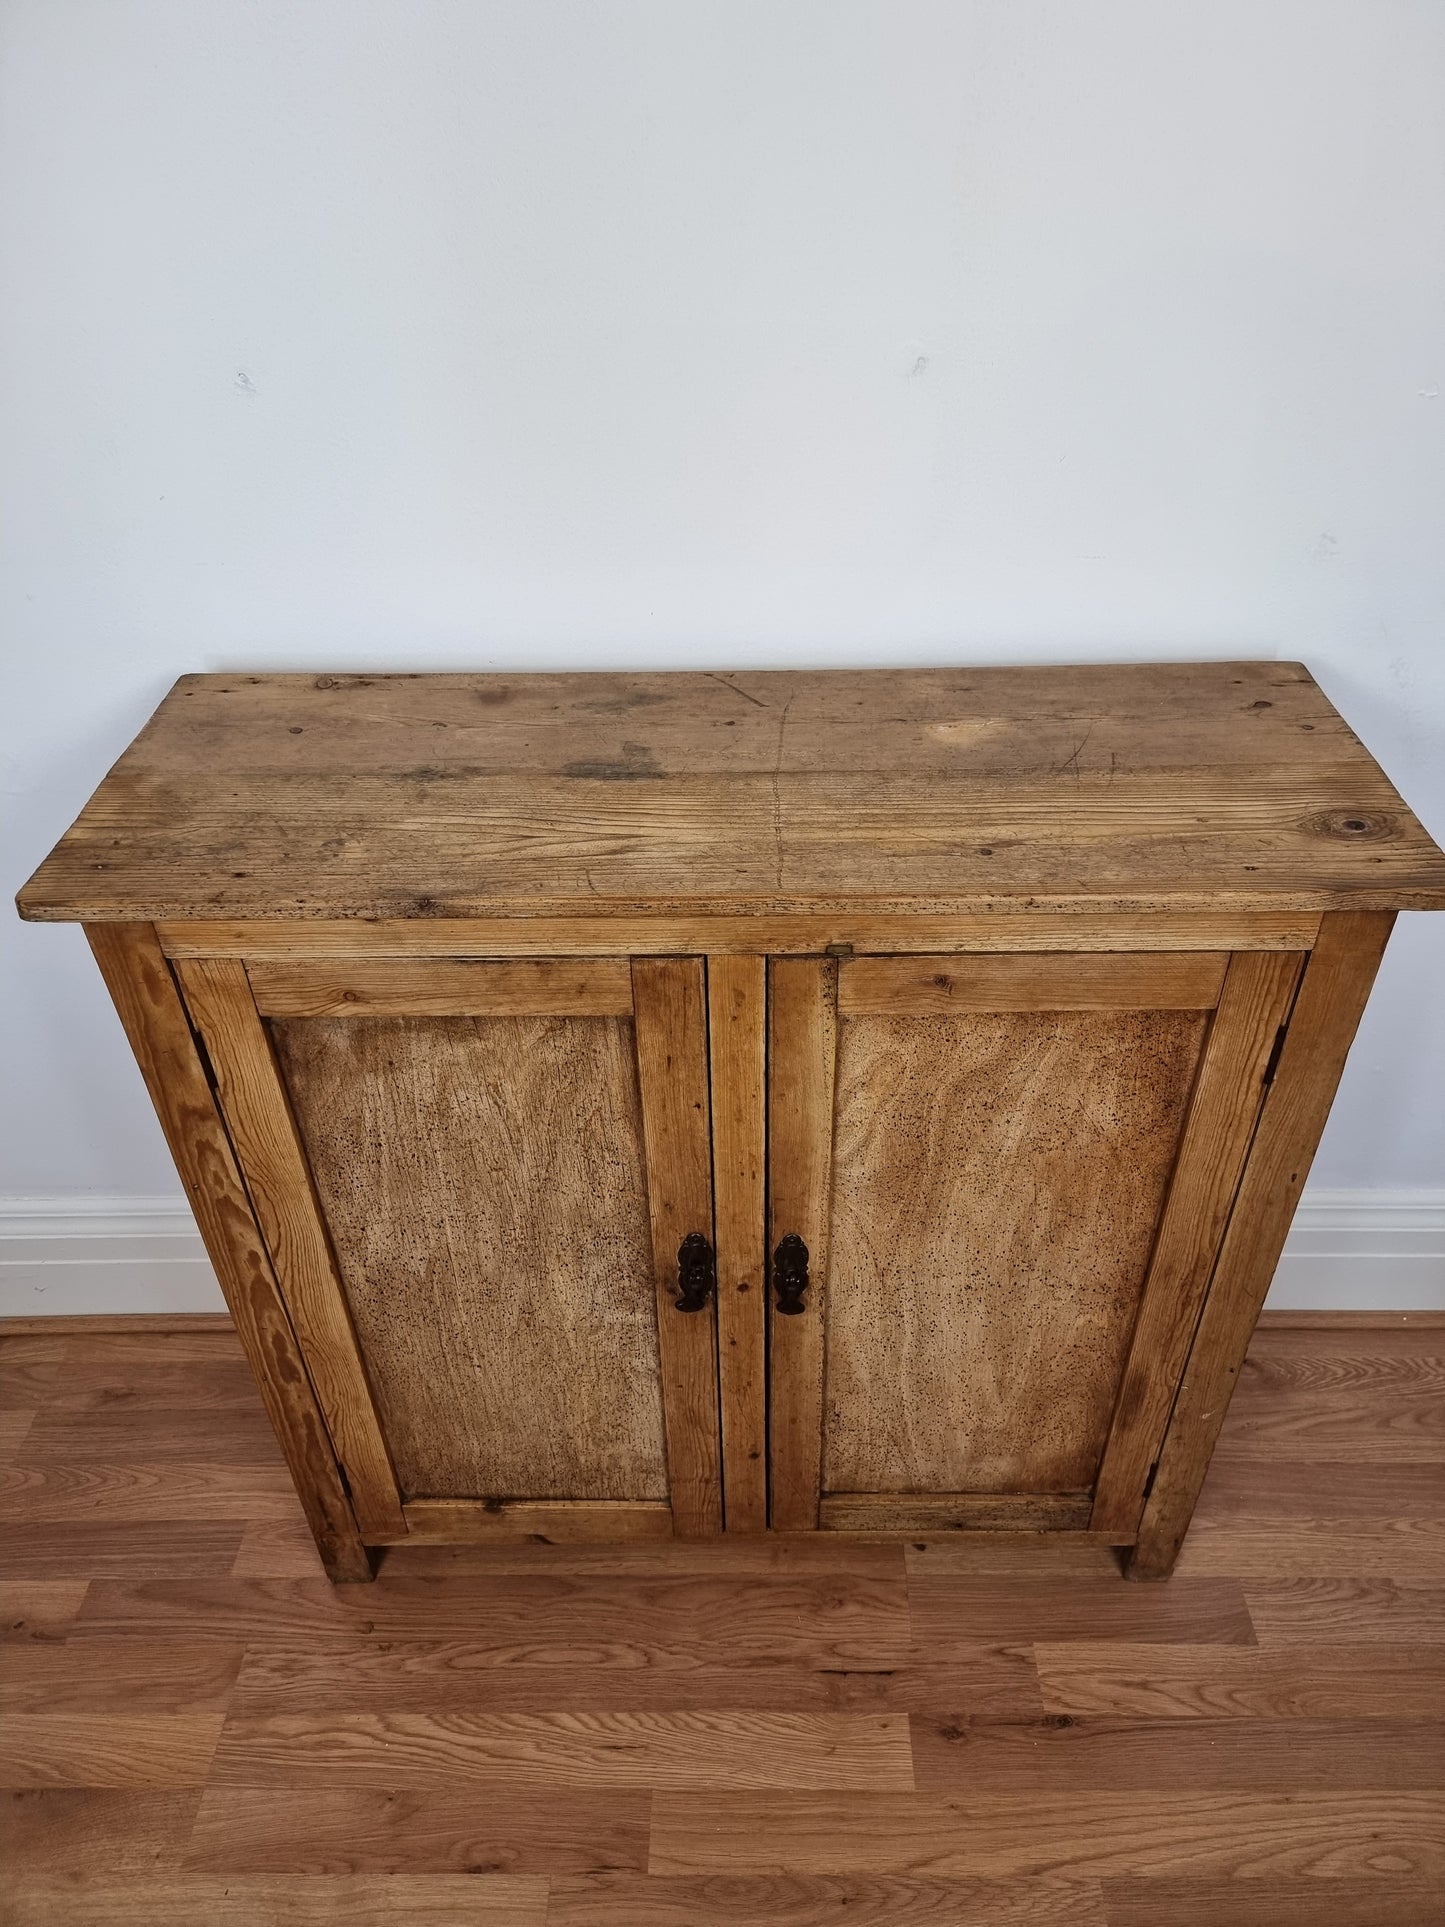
{"x":1348,"y":1251}
{"x":65,"y":1256}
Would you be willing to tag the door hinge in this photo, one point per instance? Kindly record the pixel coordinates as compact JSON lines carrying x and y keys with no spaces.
{"x":1274,"y":1056}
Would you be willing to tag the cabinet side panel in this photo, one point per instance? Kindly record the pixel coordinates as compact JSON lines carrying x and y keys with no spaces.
{"x":263,"y":1130}
{"x":1222,"y":1115}
{"x":483,"y":1183}
{"x":1336,"y":982}
{"x":150,"y":1008}
{"x":997,"y":1182}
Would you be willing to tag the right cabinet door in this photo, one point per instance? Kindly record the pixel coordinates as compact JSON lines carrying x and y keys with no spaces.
{"x":996,"y":1188}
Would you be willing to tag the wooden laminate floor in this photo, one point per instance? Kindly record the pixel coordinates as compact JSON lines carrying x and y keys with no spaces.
{"x":196,"y":1728}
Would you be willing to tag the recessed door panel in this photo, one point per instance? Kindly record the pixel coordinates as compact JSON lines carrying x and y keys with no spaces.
{"x":484,"y":1185}
{"x":997,"y":1181}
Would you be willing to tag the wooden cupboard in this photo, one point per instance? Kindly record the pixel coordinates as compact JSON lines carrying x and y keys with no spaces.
{"x":620,"y":1107}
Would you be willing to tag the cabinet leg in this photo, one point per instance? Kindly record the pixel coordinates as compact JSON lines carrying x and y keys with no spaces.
{"x":347,"y":1562}
{"x":1152,"y":1558}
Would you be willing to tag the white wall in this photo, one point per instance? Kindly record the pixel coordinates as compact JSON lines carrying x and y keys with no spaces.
{"x":395,"y":333}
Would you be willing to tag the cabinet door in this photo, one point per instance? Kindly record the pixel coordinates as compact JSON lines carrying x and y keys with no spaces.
{"x":997,"y":1184}
{"x":485,"y":1188}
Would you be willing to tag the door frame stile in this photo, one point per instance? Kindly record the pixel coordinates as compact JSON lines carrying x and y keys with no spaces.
{"x":737,"y":993}
{"x":802,"y":1070}
{"x":149,"y":1004}
{"x":252,"y":1097}
{"x":669,"y":999}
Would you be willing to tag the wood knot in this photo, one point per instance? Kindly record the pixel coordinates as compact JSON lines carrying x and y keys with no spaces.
{"x":1354,"y":826}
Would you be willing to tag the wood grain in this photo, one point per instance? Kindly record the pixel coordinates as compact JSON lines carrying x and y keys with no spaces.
{"x":997,"y":1181}
{"x":951,"y":1608}
{"x":1243,"y":1487}
{"x":1085,"y":1678}
{"x":787,"y":1900}
{"x":274,"y":1549}
{"x":649,"y":1620}
{"x":165,"y":1548}
{"x":76,"y":1436}
{"x":670,"y":1000}
{"x":282,"y":1900}
{"x":107,"y":1749}
{"x":1291,"y":1547}
{"x":168,"y":1677}
{"x":39,"y":1608}
{"x":1095,"y":833}
{"x":1056,"y":1554}
{"x":933,"y":986}
{"x":775,"y":1555}
{"x":802,"y":1052}
{"x":554,"y":1521}
{"x":175,"y":1382}
{"x":145,"y":996}
{"x":701,"y":1750}
{"x":1072,"y":1738}
{"x":260,"y":1122}
{"x":1223,"y":1110}
{"x":1312,"y":1409}
{"x":1346,"y":1609}
{"x":1327,"y":1011}
{"x":484,"y":1187}
{"x":737,"y":990}
{"x":125,"y":1325}
{"x":93,"y":1831}
{"x":36,"y":1352}
{"x":279,"y":1549}
{"x":1061,"y":1836}
{"x":1150,"y":786}
{"x":442,"y":987}
{"x":1079,"y":1754}
{"x":761,"y":931}
{"x":1378,"y":1902}
{"x":163,"y":1489}
{"x":926,"y":1513}
{"x":438,"y":1676}
{"x":420,"y":1829}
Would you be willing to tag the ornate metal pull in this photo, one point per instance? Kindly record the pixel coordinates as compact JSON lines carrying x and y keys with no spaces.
{"x":790,"y":1275}
{"x":696,"y":1272}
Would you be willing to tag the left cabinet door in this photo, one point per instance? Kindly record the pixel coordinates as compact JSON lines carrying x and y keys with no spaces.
{"x":486,"y":1188}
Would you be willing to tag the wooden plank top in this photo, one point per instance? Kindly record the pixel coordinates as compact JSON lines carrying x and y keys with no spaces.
{"x":1132,"y":786}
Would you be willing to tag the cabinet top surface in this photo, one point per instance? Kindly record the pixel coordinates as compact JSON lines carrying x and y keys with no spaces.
{"x":1137,"y":786}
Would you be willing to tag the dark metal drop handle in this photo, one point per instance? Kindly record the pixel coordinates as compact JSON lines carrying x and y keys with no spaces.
{"x":790,"y":1275}
{"x":696,"y":1272}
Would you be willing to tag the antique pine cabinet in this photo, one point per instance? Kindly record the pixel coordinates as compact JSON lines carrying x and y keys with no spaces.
{"x":619,"y":1106}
